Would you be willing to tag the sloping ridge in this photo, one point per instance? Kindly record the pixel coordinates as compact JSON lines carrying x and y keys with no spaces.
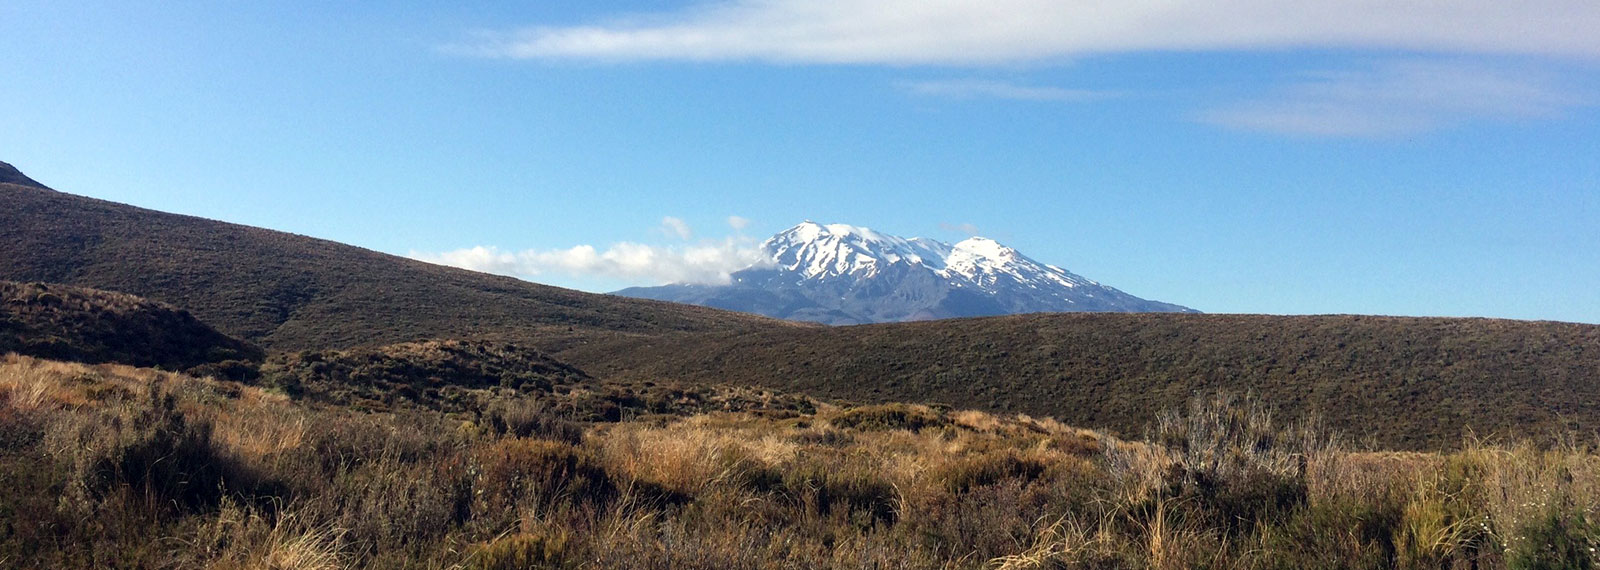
{"x":291,"y":292}
{"x":10,"y":175}
{"x":86,"y":325}
{"x":1410,"y":383}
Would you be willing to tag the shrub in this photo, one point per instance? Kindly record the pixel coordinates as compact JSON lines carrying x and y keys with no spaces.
{"x":963,"y":475}
{"x":853,"y":492}
{"x":890,"y":416}
{"x":824,"y":437}
{"x":1560,"y":540}
{"x":1234,"y":461}
{"x":527,"y":418}
{"x":168,"y":457}
{"x":236,"y":370}
{"x":518,"y":471}
{"x":523,"y":551}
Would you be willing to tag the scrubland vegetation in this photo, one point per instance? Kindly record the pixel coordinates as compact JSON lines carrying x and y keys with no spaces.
{"x":1407,"y":383}
{"x":110,"y":466}
{"x":90,"y":325}
{"x":287,"y":292}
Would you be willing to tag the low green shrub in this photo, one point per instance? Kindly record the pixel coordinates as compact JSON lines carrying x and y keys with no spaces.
{"x":890,"y":416}
{"x":965,"y":474}
{"x":1558,"y":541}
{"x":523,"y":551}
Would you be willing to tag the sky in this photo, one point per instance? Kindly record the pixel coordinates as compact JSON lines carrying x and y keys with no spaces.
{"x":1399,"y":157}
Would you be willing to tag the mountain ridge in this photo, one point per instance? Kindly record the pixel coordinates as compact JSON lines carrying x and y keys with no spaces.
{"x":285,"y":291}
{"x":844,"y":274}
{"x":1413,"y":382}
{"x":10,"y":175}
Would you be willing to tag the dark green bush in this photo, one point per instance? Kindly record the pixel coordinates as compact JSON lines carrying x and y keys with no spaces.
{"x":968,"y":473}
{"x":523,"y":551}
{"x":1558,"y":541}
{"x":527,"y":418}
{"x":852,"y":492}
{"x":890,"y":416}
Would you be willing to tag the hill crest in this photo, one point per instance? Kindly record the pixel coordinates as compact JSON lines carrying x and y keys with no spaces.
{"x":10,"y":175}
{"x":306,"y":293}
{"x":88,"y":325}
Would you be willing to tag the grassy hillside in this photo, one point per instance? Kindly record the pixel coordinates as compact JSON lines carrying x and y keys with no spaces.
{"x":474,"y":377}
{"x":1409,"y":382}
{"x":87,"y":325}
{"x":290,"y":292}
{"x":112,"y":466}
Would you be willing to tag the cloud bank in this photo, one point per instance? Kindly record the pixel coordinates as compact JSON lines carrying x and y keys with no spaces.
{"x":981,"y":32}
{"x":709,"y":262}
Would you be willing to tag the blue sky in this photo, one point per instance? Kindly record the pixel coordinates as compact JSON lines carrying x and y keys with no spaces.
{"x":1330,"y":156}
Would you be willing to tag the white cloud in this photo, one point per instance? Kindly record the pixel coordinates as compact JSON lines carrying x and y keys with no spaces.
{"x":675,"y":227}
{"x":1005,"y":31}
{"x":707,"y":262}
{"x":982,"y":89}
{"x":738,"y":223}
{"x":1399,"y":98}
{"x":962,"y":228}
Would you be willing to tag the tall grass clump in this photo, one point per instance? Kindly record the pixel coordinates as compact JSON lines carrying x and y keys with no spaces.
{"x":1231,"y":457}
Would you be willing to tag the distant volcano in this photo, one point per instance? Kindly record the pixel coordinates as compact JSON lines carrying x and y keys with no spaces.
{"x":842,"y":274}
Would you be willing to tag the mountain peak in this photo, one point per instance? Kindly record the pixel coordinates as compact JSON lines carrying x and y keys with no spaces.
{"x":824,"y":251}
{"x":986,"y":247}
{"x":845,"y":274}
{"x":10,"y":175}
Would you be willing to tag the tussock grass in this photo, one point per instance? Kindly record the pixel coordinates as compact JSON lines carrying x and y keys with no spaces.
{"x":130,"y":467}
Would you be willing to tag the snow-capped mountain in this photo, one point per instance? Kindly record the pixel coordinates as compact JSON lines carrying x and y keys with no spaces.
{"x":842,"y":274}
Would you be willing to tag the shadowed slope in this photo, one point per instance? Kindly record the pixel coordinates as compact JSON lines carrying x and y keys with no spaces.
{"x":290,"y":292}
{"x":1410,"y":382}
{"x":10,"y":175}
{"x":86,"y":325}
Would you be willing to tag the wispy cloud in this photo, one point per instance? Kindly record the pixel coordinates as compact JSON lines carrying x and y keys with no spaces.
{"x":1400,"y":98}
{"x":911,"y":32}
{"x":961,"y":228}
{"x":676,"y":227}
{"x":985,"y":89}
{"x":706,"y":262}
{"x":738,"y":223}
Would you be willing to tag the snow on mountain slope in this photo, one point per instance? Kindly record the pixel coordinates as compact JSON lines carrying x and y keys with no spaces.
{"x":817,"y":251}
{"x":843,"y":274}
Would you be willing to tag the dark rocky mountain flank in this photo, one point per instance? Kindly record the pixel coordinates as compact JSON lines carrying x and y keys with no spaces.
{"x":291,"y":292}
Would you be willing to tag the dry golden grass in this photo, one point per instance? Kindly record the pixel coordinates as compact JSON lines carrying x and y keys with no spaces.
{"x":297,"y":487}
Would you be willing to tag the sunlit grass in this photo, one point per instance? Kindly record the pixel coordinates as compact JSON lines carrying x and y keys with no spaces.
{"x":103,"y":461}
